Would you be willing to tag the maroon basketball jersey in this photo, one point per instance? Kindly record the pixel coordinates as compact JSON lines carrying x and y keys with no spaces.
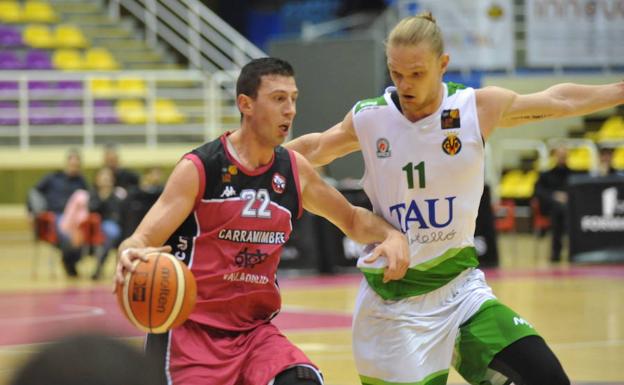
{"x":233,"y":239}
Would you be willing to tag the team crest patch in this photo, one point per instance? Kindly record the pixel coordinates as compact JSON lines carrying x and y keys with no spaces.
{"x":228,"y":172}
{"x":383,"y":148}
{"x":451,"y":145}
{"x":450,"y":119}
{"x":278,"y":182}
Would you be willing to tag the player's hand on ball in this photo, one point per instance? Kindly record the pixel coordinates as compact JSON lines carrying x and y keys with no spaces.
{"x":128,"y":256}
{"x":396,"y":250}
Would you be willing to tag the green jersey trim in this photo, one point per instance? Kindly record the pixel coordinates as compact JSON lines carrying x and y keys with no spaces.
{"x":374,"y":102}
{"x":453,"y":87}
{"x":425,"y":277}
{"x":437,"y":378}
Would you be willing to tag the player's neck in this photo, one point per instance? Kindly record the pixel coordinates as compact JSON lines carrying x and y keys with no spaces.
{"x":247,"y":150}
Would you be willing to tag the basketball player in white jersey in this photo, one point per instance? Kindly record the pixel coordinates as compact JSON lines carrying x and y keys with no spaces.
{"x":423,"y":147}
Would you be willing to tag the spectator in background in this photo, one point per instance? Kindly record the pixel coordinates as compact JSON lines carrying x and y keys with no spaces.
{"x":105,"y":201}
{"x":141,"y":198}
{"x":605,"y":163}
{"x":124,"y":178}
{"x":550,"y":190}
{"x":87,"y":359}
{"x":54,"y":191}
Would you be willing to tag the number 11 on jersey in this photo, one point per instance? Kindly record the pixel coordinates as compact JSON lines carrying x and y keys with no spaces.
{"x":409,"y":171}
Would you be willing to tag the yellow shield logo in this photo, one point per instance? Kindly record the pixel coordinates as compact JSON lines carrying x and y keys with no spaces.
{"x":451,"y":145}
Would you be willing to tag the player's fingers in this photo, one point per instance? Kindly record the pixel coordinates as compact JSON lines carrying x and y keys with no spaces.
{"x":391,"y":270}
{"x":374,"y":255}
{"x":161,"y":249}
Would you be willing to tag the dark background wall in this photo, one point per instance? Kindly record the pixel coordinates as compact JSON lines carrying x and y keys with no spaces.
{"x":332,"y":75}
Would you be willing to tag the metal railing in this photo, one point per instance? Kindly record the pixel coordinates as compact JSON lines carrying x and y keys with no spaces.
{"x":208,"y":42}
{"x":88,"y":108}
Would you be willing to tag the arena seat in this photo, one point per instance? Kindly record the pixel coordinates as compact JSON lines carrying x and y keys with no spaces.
{"x":10,"y":61}
{"x":38,"y":12}
{"x":38,"y":36}
{"x":131,"y":111}
{"x":10,"y":12}
{"x":100,"y":59}
{"x":10,"y":37}
{"x":67,"y":59}
{"x":579,"y":159}
{"x":618,"y":158}
{"x":69,"y":36}
{"x":167,"y":112}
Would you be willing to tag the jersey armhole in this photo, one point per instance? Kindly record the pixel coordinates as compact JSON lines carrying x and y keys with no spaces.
{"x":295,"y":171}
{"x":201,"y":172}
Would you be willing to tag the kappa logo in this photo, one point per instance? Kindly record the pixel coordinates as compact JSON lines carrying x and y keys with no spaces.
{"x":452,"y":145}
{"x":228,"y":191}
{"x":278,"y":182}
{"x":383,"y":148}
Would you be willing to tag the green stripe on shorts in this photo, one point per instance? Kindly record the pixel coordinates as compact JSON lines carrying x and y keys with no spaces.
{"x":425,"y":277}
{"x":492,"y":328}
{"x":437,"y":378}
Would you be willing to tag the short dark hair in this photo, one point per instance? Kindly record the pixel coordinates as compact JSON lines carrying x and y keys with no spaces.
{"x":88,"y":359}
{"x":251,"y":74}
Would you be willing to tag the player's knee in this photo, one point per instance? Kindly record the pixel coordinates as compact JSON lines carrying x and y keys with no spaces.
{"x":299,"y":375}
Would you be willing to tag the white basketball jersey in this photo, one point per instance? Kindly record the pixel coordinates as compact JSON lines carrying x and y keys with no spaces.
{"x":426,"y":178}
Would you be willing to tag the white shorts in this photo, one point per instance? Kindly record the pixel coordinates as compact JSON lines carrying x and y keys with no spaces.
{"x":412,"y":340}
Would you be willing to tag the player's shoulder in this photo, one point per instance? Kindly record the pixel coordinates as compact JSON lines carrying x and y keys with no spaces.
{"x":371,"y":103}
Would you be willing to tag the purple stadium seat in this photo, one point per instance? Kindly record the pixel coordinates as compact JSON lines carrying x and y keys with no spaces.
{"x":10,"y":61}
{"x":10,"y":37}
{"x":9,"y":89}
{"x":38,"y":60}
{"x":70,"y":112}
{"x":104,"y":113}
{"x":9,"y":113}
{"x":41,"y":113}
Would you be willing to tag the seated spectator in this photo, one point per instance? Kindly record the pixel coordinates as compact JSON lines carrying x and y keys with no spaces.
{"x":52,"y":193}
{"x":551,"y":192}
{"x":605,"y":163}
{"x":141,"y":198}
{"x":105,"y":201}
{"x":88,"y":359}
{"x":124,"y":178}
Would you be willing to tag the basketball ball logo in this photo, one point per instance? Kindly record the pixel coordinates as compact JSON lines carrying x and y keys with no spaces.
{"x":278,"y":182}
{"x":451,"y":145}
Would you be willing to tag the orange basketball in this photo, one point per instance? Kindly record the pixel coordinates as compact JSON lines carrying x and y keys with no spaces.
{"x":159,"y":295}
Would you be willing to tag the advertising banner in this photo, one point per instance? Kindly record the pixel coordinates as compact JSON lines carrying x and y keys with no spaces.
{"x":574,"y":33}
{"x":478,"y":34}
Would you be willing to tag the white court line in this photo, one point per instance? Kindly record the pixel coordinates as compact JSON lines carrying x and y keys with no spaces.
{"x":79,"y":312}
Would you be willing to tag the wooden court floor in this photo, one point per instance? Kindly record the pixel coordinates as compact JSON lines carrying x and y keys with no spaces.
{"x":578,"y":309}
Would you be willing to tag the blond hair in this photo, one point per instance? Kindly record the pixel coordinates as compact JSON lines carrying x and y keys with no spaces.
{"x":414,"y":30}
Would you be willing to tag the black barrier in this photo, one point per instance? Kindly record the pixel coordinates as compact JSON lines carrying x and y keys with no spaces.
{"x":485,"y":232}
{"x":596,"y":218}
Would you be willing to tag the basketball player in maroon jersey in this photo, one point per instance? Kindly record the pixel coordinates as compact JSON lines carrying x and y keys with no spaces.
{"x":227,"y":210}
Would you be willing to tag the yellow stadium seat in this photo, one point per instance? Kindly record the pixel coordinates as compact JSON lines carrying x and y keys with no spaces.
{"x":131,"y":86}
{"x":102,"y":87}
{"x":100,"y":59}
{"x":10,"y":12}
{"x":38,"y":12}
{"x":131,"y":111}
{"x":167,"y":112}
{"x":618,"y":158}
{"x":67,"y":59}
{"x":579,"y":159}
{"x":38,"y":36}
{"x":611,"y":129}
{"x":69,"y":36}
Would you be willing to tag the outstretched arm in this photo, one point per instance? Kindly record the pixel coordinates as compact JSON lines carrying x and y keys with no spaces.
{"x":499,"y":107}
{"x":163,"y":218}
{"x":320,"y":148}
{"x":357,"y":223}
